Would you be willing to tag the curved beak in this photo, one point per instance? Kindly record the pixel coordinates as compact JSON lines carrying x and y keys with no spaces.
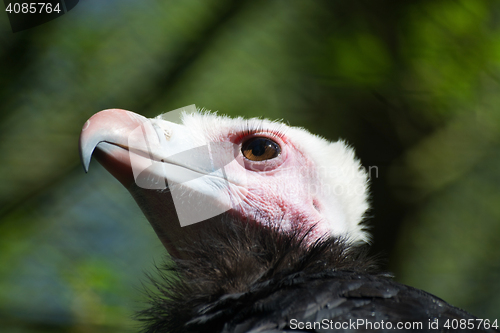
{"x":176,"y":178}
{"x":111,"y":130}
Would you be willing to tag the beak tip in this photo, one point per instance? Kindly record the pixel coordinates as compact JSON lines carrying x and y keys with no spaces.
{"x":85,"y":167}
{"x":86,"y":151}
{"x":85,"y":160}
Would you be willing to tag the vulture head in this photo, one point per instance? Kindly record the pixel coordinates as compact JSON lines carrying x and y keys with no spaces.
{"x":263,"y":173}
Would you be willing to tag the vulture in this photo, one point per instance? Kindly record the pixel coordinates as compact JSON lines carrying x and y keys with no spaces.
{"x":264,"y":227}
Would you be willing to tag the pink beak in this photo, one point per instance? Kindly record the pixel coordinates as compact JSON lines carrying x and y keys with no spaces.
{"x":110,"y":130}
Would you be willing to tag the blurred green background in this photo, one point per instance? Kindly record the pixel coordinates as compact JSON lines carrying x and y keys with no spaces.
{"x":413,"y":85}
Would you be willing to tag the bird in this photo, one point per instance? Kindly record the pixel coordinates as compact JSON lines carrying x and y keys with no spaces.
{"x":265,"y":228}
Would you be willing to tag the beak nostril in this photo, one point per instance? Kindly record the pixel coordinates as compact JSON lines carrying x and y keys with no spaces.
{"x":168,"y":133}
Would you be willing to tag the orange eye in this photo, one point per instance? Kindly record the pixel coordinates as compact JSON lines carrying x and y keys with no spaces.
{"x":260,"y":149}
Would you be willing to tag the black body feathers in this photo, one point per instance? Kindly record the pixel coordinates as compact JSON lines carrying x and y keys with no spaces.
{"x":245,"y":279}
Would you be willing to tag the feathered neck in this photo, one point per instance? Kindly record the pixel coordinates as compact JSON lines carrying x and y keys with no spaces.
{"x":231,"y":260}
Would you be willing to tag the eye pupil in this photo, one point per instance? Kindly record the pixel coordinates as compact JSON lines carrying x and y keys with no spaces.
{"x":260,"y":149}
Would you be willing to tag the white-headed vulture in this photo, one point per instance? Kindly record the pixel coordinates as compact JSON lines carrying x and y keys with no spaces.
{"x":264,"y":226}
